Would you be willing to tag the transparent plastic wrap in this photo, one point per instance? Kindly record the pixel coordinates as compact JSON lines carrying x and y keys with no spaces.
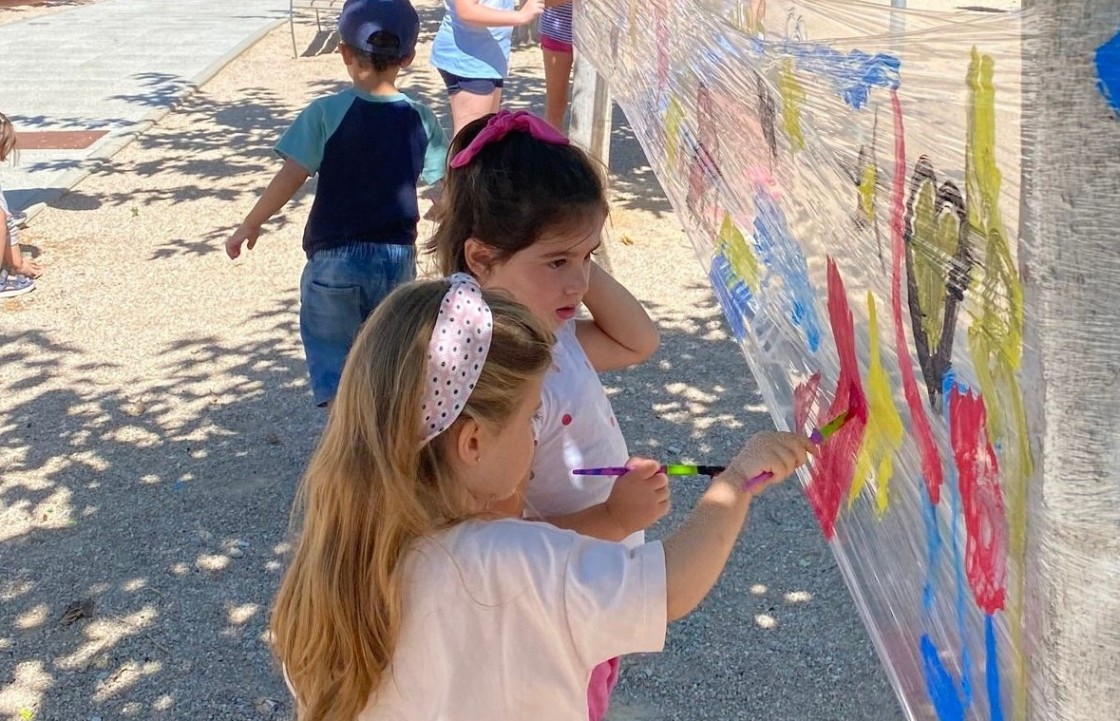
{"x":852,"y":178}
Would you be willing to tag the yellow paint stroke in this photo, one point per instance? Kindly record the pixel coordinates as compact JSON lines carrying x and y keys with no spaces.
{"x":995,"y":342}
{"x":884,"y":432}
{"x":868,"y":183}
{"x":936,"y":237}
{"x":674,"y":116}
{"x":792,"y":95}
{"x":739,"y":254}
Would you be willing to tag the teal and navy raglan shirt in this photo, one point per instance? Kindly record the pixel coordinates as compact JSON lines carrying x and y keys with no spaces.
{"x":369,"y":151}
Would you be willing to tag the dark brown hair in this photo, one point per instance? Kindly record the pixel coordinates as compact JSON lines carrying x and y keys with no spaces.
{"x":515,"y":189}
{"x":390,"y":56}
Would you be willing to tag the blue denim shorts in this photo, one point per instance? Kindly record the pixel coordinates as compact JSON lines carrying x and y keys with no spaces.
{"x":474,"y":86}
{"x":339,"y":288}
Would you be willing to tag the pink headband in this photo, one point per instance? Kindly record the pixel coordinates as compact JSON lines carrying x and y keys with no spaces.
{"x":502,"y":124}
{"x":456,"y":354}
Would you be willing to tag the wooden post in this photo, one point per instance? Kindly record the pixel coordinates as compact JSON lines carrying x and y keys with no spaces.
{"x":591,"y":110}
{"x":590,"y":126}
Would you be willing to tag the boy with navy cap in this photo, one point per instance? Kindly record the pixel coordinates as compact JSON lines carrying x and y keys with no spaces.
{"x":369,"y":145}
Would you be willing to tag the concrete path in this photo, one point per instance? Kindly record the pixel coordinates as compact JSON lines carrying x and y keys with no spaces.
{"x":80,"y":83}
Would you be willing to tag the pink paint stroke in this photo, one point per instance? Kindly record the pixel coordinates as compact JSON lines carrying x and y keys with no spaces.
{"x":985,"y":520}
{"x":923,"y":433}
{"x":836,"y":460}
{"x":804,"y":398}
{"x":701,"y":172}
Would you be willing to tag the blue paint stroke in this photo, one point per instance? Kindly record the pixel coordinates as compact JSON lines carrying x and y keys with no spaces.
{"x":733,"y":294}
{"x":1108,"y":72}
{"x":853,"y":74}
{"x":939,"y":684}
{"x":995,"y":700}
{"x":948,"y":384}
{"x":933,"y":551}
{"x":941,"y":687}
{"x":952,"y":700}
{"x":782,"y":257}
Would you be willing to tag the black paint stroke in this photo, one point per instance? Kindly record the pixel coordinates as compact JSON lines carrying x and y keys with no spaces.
{"x":936,"y":362}
{"x":767,"y":115}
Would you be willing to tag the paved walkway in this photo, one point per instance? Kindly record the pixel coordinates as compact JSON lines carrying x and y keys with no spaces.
{"x":80,"y":83}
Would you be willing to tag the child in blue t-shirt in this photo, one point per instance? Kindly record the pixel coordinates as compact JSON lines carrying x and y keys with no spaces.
{"x":471,"y":52}
{"x":369,"y":144}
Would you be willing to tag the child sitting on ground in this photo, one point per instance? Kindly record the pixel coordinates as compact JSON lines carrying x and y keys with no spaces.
{"x":17,"y":274}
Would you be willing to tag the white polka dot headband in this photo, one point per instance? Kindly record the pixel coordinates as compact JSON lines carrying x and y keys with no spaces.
{"x":456,"y":354}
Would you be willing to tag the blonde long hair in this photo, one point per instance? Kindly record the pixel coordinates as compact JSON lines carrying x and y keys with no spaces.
{"x":370,"y":490}
{"x":7,"y":140}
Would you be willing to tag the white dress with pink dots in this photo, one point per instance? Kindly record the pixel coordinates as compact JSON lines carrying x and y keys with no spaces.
{"x":576,"y":428}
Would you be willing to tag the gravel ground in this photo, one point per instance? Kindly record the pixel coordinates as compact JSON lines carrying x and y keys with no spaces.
{"x":157,"y":418}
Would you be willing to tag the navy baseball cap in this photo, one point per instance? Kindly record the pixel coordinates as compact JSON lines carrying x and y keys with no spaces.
{"x":362,"y":18}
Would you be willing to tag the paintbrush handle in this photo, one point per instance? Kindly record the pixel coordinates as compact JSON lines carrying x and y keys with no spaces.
{"x":679,"y":470}
{"x":756,"y":481}
{"x":675,"y":469}
{"x":608,"y":471}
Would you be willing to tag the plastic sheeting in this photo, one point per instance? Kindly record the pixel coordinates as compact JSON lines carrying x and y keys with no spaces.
{"x":850,"y":176}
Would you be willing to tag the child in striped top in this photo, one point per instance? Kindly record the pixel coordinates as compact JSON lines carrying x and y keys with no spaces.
{"x":556,"y":44}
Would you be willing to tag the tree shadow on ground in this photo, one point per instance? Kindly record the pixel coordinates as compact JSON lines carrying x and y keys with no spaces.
{"x":159,"y":90}
{"x":633,"y":182}
{"x":112,"y":600}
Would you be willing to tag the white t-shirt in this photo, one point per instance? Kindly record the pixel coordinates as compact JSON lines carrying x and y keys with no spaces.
{"x":576,"y":428}
{"x":505,"y":620}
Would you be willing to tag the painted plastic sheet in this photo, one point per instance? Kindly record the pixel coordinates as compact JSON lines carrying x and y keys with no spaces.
{"x":850,"y":178}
